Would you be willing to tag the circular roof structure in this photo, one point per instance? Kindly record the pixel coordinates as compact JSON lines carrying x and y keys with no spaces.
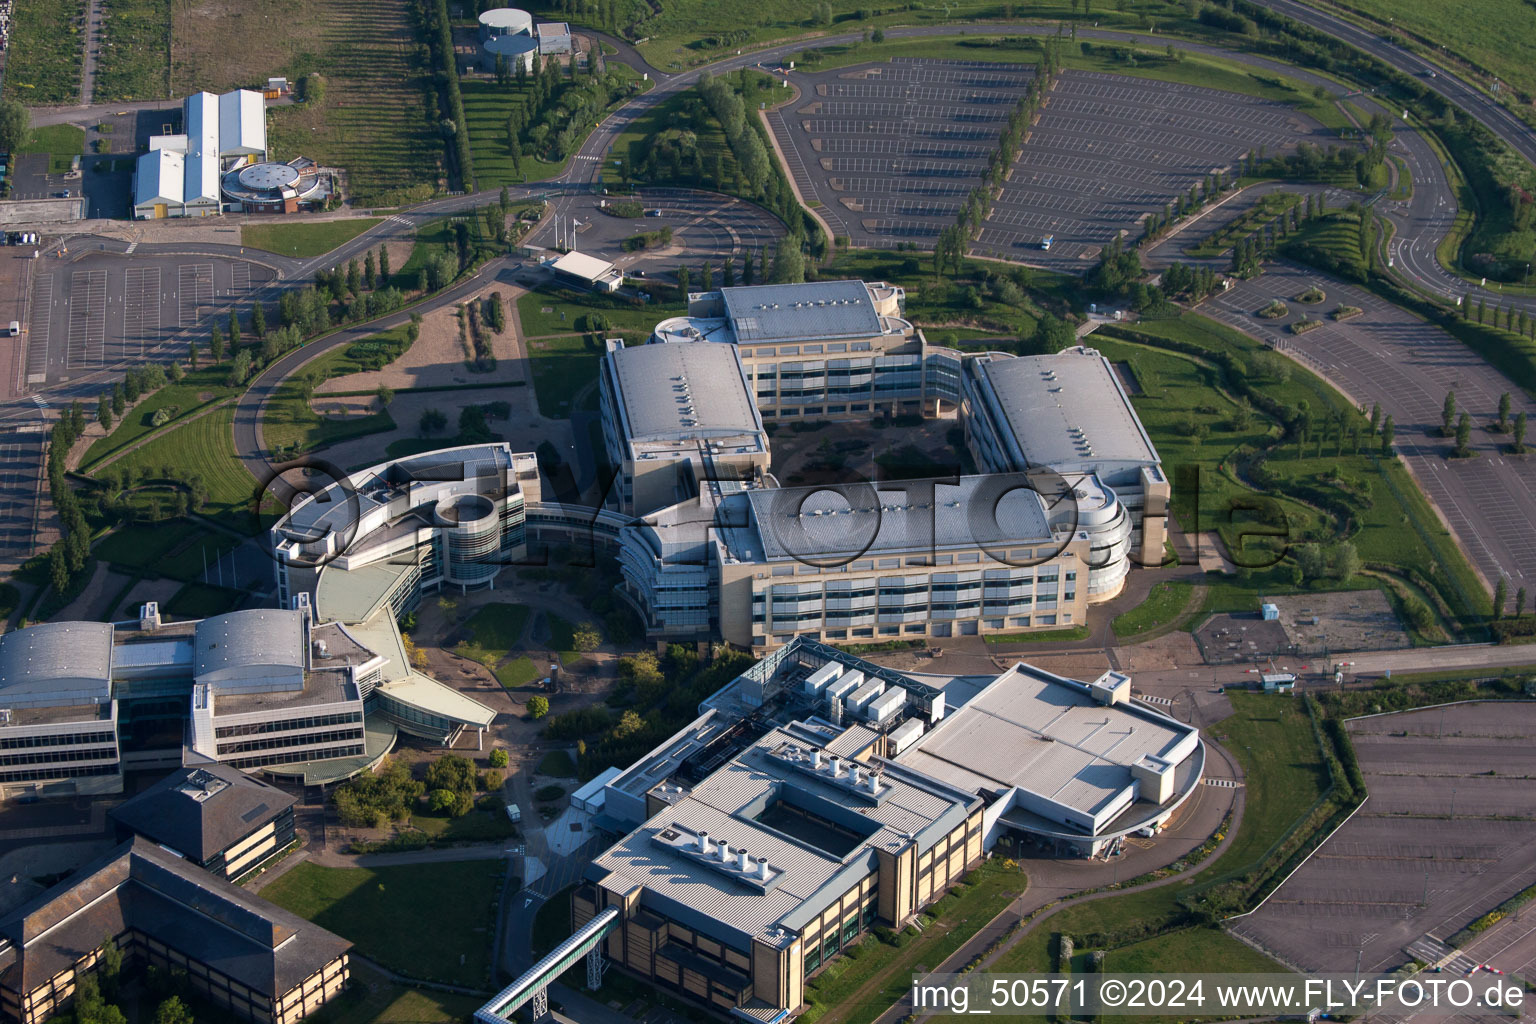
{"x":268,"y":177}
{"x":507,"y":21}
{"x":511,"y":46}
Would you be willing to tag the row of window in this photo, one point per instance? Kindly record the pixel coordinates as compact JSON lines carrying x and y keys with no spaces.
{"x":43,"y":774}
{"x":108,"y":753}
{"x":299,"y":740}
{"x":294,"y":756}
{"x":829,"y":948}
{"x":68,"y":739}
{"x":288,"y":725}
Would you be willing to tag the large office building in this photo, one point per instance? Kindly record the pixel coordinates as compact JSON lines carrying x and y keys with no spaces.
{"x":676,"y":415}
{"x":818,"y":795}
{"x":268,"y":690}
{"x":1070,"y":489}
{"x":253,"y":960}
{"x":181,"y":174}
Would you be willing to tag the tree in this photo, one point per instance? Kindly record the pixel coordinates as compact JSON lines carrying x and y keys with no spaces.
{"x":354,"y":276}
{"x":707,"y":277}
{"x":1519,"y":602}
{"x":1448,"y":414}
{"x":472,"y":426}
{"x":1312,"y":561}
{"x":1519,"y":444}
{"x":877,"y":36}
{"x":1375,"y":417}
{"x":432,"y":421}
{"x":1500,"y":597}
{"x":234,"y":330}
{"x":538,"y":706}
{"x":1464,"y":435}
{"x":58,"y":568}
{"x":746,"y":267}
{"x":384,"y":266}
{"x":682,"y":280}
{"x":104,"y":406}
{"x":498,"y":758}
{"x":173,"y":1011}
{"x":586,"y":638}
{"x":14,"y":125}
{"x":240,"y":369}
{"x":258,"y":320}
{"x":370,"y":271}
{"x":1387,"y":432}
{"x":119,"y":399}
{"x":1504,"y":413}
{"x":216,"y":344}
{"x":1346,"y":560}
{"x":386,"y":395}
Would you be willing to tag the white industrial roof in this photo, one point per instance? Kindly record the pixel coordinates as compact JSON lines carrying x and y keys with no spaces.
{"x":683,"y":392}
{"x":579,"y":264}
{"x":254,"y":638}
{"x":202,"y":166}
{"x":801,"y":312}
{"x":1067,"y":410}
{"x":1044,"y":734}
{"x":435,"y":698}
{"x":56,"y":664}
{"x":817,"y":521}
{"x":159,"y":178}
{"x":242,"y":123}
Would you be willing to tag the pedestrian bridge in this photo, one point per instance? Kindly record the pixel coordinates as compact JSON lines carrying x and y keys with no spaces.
{"x":533,"y":986}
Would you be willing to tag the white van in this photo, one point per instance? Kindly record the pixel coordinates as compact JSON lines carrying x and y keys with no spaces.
{"x":14,"y":329}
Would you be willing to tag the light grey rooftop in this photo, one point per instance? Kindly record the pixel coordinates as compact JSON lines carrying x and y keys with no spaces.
{"x":60,"y":663}
{"x":1067,"y":410}
{"x":821,"y":523}
{"x":1045,"y":734}
{"x":683,"y":392}
{"x":254,"y":638}
{"x":801,"y":312}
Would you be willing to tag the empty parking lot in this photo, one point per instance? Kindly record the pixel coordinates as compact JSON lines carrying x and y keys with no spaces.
{"x":891,"y":150}
{"x":1448,"y":832}
{"x":101,"y":310}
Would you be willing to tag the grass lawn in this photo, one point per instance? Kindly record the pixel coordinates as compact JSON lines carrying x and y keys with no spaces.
{"x":290,"y":421}
{"x":175,"y":548}
{"x":515,"y":672}
{"x":303,"y":239}
{"x":986,"y":891}
{"x":1162,"y":606}
{"x":206,"y":448}
{"x":562,"y":638}
{"x":135,"y":61}
{"x":497,"y":629}
{"x":486,"y":108}
{"x":558,"y":764}
{"x":372,"y":998}
{"x":1331,"y":241}
{"x":200,"y":601}
{"x":436,"y":237}
{"x":567,"y":308}
{"x":372,"y":906}
{"x":42,"y":62}
{"x":561,"y":367}
{"x":474,"y":827}
{"x":195,"y":391}
{"x":62,"y":143}
{"x":1181,"y":393}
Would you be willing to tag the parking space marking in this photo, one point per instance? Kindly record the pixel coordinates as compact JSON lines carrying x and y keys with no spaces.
{"x":194,"y":290}
{"x":87,"y":320}
{"x":38,"y":336}
{"x":141,"y":309}
{"x":240,"y":277}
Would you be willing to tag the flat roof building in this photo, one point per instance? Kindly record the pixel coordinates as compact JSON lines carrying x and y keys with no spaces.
{"x":554,"y":38}
{"x":250,"y":958}
{"x":219,"y":134}
{"x":766,"y":835}
{"x":676,"y":415}
{"x":585,"y":271}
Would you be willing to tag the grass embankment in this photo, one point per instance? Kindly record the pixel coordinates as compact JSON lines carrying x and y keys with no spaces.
{"x":193,"y":393}
{"x":43,"y":57}
{"x":557,"y":764}
{"x":205,"y":447}
{"x":561,"y":367}
{"x":1321,"y":491}
{"x":372,"y":906}
{"x":305,"y":240}
{"x":371,"y":998}
{"x":1163,"y":605}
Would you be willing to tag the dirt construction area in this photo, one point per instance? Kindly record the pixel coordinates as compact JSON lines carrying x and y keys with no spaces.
{"x":1447,"y":833}
{"x":1349,"y":620}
